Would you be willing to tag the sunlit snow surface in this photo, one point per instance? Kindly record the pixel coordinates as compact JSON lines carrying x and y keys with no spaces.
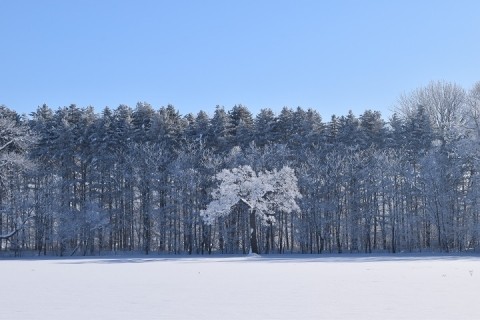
{"x":278,"y":287}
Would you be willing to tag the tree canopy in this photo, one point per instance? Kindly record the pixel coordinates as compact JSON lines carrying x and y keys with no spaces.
{"x":146,"y":179}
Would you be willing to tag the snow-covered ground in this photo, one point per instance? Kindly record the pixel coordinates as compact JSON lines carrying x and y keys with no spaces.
{"x":280,"y":287}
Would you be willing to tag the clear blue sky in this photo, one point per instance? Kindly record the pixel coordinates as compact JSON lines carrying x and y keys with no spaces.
{"x":333,"y":56}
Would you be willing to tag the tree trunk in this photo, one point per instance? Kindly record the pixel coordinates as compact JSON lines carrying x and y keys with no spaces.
{"x":253,"y":233}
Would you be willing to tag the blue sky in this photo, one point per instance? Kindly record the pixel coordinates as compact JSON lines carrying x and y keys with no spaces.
{"x":333,"y":56}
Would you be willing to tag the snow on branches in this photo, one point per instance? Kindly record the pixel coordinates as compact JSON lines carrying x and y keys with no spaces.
{"x":264,"y":192}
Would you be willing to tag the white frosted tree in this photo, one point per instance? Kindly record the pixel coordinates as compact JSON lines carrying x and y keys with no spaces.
{"x":265,"y":193}
{"x":15,"y":140}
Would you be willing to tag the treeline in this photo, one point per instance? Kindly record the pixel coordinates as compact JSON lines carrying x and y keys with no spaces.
{"x":73,"y":181}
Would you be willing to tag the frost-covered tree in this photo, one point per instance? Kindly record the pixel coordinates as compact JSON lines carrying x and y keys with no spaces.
{"x":264,"y":193}
{"x":136,"y":179}
{"x":445,"y":105}
{"x":15,"y":141}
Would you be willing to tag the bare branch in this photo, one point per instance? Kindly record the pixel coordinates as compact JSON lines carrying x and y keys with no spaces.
{"x":16,"y":230}
{"x":6,"y":145}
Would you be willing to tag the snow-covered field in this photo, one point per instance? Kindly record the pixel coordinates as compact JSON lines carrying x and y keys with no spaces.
{"x":278,"y":287}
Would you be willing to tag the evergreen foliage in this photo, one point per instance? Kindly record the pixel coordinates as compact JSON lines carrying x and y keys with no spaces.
{"x":143,"y":179}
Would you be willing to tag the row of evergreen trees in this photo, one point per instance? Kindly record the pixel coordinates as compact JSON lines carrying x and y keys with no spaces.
{"x":73,"y":181}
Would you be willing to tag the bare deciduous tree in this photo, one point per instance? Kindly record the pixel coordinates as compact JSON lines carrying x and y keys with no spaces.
{"x":15,"y":140}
